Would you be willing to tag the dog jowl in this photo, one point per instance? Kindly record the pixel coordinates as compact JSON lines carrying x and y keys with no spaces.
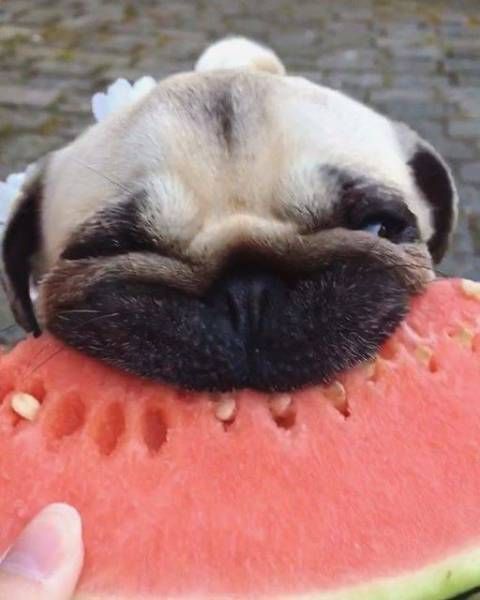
{"x":236,"y":227}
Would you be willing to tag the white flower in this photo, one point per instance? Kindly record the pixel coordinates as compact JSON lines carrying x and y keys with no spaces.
{"x":119,"y":94}
{"x":9,"y":190}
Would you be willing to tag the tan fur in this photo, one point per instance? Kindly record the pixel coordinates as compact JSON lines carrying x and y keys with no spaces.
{"x":211,"y":192}
{"x":281,"y":142}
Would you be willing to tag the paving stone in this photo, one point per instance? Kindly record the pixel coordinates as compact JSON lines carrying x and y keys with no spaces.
{"x":463,"y":47}
{"x":349,"y":60}
{"x":12,"y":32}
{"x":23,"y":149}
{"x":9,"y":331}
{"x":402,"y":65}
{"x":473,"y":221}
{"x":313,"y":12}
{"x":416,"y":81}
{"x":411,"y":110}
{"x":455,"y":150}
{"x":300,"y":42}
{"x":470,"y":172}
{"x":458,"y":65}
{"x":38,"y":15}
{"x":14,"y":119}
{"x":404,"y":94}
{"x":469,"y":196}
{"x":127,"y":44}
{"x":429,"y":129}
{"x":361,"y":80}
{"x":464,"y":129}
{"x":462,"y":79}
{"x":422,"y":53}
{"x":343,"y":26}
{"x":76,"y":69}
{"x":26,"y":96}
{"x":397,"y":40}
{"x":75,"y":103}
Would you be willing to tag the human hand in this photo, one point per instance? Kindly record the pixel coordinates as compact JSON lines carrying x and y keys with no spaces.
{"x":45,"y":561}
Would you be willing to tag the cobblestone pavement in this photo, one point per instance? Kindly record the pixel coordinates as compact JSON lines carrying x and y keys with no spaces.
{"x":417,"y":61}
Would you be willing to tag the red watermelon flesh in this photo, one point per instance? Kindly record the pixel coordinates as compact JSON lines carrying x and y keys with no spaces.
{"x":368,"y":489}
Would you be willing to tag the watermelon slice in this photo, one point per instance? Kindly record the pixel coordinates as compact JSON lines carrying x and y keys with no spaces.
{"x":368,"y":489}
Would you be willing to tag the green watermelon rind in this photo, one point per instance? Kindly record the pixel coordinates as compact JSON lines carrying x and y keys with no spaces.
{"x":438,"y":581}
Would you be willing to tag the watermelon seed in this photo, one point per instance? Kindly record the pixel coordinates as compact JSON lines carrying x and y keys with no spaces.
{"x":471,"y":289}
{"x":337,"y":394}
{"x":25,"y":405}
{"x":280,"y":404}
{"x":283,"y":411}
{"x":226,"y":410}
{"x":108,"y":428}
{"x":370,"y":369}
{"x":66,"y":416}
{"x":463,"y":335}
{"x":154,"y":429}
{"x":425,"y":356}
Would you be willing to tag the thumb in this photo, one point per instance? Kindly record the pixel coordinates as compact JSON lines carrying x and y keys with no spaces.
{"x":45,"y":561}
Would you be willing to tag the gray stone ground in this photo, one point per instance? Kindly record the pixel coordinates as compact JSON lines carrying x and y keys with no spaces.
{"x":417,"y":61}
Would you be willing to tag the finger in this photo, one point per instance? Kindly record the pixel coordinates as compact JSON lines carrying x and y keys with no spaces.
{"x":45,"y":561}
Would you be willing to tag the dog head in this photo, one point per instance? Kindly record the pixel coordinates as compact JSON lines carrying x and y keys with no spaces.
{"x":235,"y":227}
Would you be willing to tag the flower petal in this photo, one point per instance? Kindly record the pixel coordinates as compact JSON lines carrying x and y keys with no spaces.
{"x":119,"y":94}
{"x":142,"y":86}
{"x":99,"y":106}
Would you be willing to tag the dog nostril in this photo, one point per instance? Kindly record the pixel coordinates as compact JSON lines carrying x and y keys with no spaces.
{"x":248,"y":296}
{"x":247,"y":301}
{"x":259,"y":301}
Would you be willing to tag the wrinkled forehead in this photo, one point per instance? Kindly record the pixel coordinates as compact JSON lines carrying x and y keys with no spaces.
{"x":221,"y":143}
{"x":239,"y":117}
{"x":217,"y":121}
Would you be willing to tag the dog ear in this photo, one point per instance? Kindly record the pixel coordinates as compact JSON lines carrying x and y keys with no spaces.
{"x":21,"y":242}
{"x":434,"y":180}
{"x":239,"y":53}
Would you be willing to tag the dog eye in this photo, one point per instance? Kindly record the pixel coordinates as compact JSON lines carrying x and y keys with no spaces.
{"x":388,"y":227}
{"x":375,"y":228}
{"x":386,"y":218}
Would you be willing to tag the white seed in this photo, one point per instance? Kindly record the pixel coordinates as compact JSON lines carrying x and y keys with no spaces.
{"x":369,"y":368}
{"x":471,"y":288}
{"x":337,"y":394}
{"x":424,"y":354}
{"x":464,"y":336}
{"x":226,"y":408}
{"x":280,"y":405}
{"x":25,"y":405}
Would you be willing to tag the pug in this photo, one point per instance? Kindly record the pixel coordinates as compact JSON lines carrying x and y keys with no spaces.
{"x":235,"y":228}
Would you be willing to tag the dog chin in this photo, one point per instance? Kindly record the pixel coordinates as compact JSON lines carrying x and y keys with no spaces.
{"x":249,"y":330}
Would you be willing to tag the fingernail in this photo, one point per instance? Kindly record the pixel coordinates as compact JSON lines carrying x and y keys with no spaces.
{"x":40,"y":549}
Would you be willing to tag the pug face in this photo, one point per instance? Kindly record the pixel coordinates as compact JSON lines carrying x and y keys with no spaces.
{"x":234,"y":228}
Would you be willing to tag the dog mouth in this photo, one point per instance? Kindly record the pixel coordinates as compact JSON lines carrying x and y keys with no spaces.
{"x":252,"y":328}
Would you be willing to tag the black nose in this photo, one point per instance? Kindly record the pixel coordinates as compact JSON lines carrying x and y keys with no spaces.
{"x":247,"y":296}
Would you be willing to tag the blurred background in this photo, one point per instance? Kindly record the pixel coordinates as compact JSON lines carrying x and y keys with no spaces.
{"x":416,"y":61}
